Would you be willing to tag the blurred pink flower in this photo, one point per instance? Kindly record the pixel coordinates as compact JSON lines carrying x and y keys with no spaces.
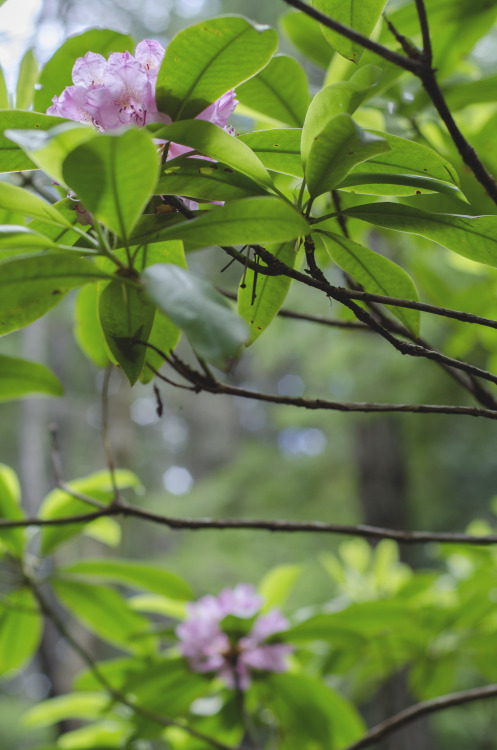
{"x":209,"y":649}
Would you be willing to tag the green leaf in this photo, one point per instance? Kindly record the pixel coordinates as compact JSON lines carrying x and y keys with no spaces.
{"x":12,"y":157}
{"x":18,"y":199}
{"x":30,"y":287}
{"x":10,"y":509}
{"x":20,"y":629}
{"x":4,"y":94}
{"x":375,"y":273}
{"x":339,"y":98}
{"x":88,"y":331}
{"x":103,"y":735}
{"x":306,"y":35}
{"x":259,"y":301}
{"x":126,"y":316}
{"x":48,"y":148}
{"x":336,"y":150}
{"x":206,"y":60}
{"x":210,"y":140}
{"x":310,"y":713}
{"x":278,"y":150}
{"x":114,"y":176}
{"x":28,"y":75}
{"x":276,"y":585}
{"x":80,"y":705}
{"x":60,"y":504}
{"x":103,"y":611}
{"x":360,"y":15}
{"x":205,"y":180}
{"x":280,"y":92}
{"x":62,"y":235}
{"x":245,"y":222}
{"x":474,"y":237}
{"x":56,"y":74}
{"x":18,"y":377}
{"x":213,"y":329}
{"x":14,"y":237}
{"x":136,"y":574}
{"x":379,"y":183}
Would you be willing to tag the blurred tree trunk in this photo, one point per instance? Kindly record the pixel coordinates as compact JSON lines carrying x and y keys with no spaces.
{"x":383,"y":485}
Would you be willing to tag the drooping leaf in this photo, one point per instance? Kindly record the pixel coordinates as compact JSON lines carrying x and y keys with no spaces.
{"x":136,"y":574}
{"x":61,"y":504}
{"x":30,"y":287}
{"x":339,"y":98}
{"x":20,"y":629}
{"x":205,"y":180}
{"x":362,"y":16}
{"x":62,"y":235}
{"x":10,"y":509}
{"x":56,"y":74}
{"x":210,"y":140}
{"x":126,"y":317}
{"x":12,"y":157}
{"x":13,"y":237}
{"x":306,"y":35}
{"x":88,"y":331}
{"x":278,"y":150}
{"x":213,"y":329}
{"x":260,"y":300}
{"x":18,"y":378}
{"x":336,"y":150}
{"x":28,"y":75}
{"x":102,"y":610}
{"x":114,"y":176}
{"x":379,"y":183}
{"x":474,"y":237}
{"x":206,"y":60}
{"x":244,"y":222}
{"x":80,"y":705}
{"x":375,"y":273}
{"x":18,"y":199}
{"x":280,"y":91}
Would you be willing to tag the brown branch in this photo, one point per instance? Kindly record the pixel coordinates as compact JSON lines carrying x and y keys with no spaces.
{"x":400,"y":60}
{"x":273,"y":525}
{"x":425,"y":32}
{"x":59,"y":476}
{"x":422,"y":709}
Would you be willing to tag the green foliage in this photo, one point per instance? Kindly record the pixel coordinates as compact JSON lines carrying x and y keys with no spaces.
{"x":360,"y":16}
{"x":19,"y":377}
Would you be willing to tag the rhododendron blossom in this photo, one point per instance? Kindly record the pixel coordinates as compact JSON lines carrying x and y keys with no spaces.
{"x":209,"y":649}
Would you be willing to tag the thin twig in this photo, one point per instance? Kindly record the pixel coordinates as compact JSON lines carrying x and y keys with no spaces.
{"x":422,"y":709}
{"x":105,"y":432}
{"x":425,"y":32}
{"x":59,"y":476}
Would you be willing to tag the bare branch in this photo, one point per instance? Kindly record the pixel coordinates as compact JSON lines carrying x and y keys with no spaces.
{"x":425,"y":31}
{"x":422,"y":709}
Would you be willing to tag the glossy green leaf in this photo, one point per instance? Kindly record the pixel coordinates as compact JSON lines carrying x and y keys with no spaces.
{"x":28,"y":75}
{"x":14,"y":237}
{"x":336,"y":150}
{"x":79,"y":705}
{"x":4,"y":93}
{"x":63,"y":235}
{"x":18,"y":199}
{"x":379,"y":183}
{"x":243,"y":222}
{"x":306,"y":35}
{"x":210,"y":140}
{"x":20,"y":629}
{"x":56,"y":74}
{"x":375,"y":273}
{"x":339,"y":98}
{"x":474,"y":237}
{"x":114,"y":176}
{"x":136,"y":574}
{"x":205,"y":180}
{"x":30,"y":287}
{"x":10,"y":508}
{"x":18,"y":378}
{"x":48,"y":148}
{"x":60,"y":504}
{"x":259,"y":300}
{"x":12,"y":157}
{"x":88,"y":331}
{"x":310,"y":713}
{"x":206,"y":60}
{"x":278,"y":150}
{"x":103,"y":611}
{"x":276,"y":585}
{"x":213,"y":329}
{"x":126,"y":316}
{"x":360,"y":15}
{"x":279,"y":92}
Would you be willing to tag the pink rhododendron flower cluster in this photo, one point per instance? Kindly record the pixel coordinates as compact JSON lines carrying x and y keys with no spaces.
{"x":209,"y":649}
{"x":121,"y":91}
